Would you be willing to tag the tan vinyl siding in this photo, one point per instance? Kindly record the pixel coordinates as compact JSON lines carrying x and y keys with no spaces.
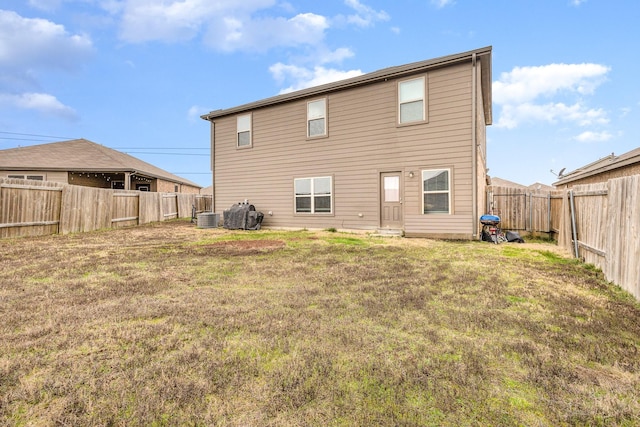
{"x":363,"y":141}
{"x":54,"y":176}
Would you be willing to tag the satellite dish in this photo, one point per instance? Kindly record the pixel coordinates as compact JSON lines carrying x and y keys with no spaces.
{"x":561,"y":172}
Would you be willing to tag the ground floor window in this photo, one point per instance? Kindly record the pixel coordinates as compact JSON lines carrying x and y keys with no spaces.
{"x":31,"y":177}
{"x":313,"y":195}
{"x":436,"y":191}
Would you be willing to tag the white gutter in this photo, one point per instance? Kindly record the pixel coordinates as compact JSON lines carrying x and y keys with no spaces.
{"x":212,"y":166}
{"x":474,"y":150}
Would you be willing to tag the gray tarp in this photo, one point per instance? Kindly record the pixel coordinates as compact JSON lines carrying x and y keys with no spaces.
{"x":242,"y":216}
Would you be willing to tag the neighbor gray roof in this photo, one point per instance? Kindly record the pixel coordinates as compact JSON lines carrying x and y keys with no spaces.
{"x":604,"y":164}
{"x":80,"y":155}
{"x":483,"y":55}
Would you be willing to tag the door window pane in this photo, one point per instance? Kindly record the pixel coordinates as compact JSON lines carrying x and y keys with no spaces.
{"x":391,"y":188}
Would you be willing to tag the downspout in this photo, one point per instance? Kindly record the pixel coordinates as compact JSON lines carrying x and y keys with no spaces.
{"x":212,"y":166}
{"x":474,"y":136}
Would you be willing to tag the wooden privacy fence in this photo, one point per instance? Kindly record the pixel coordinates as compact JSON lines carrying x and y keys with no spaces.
{"x":598,"y":223}
{"x":525,"y":210}
{"x":601,"y":225}
{"x":32,"y":208}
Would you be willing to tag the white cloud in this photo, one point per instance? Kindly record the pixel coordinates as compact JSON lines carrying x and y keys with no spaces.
{"x":302,"y":77}
{"x":27,"y":47}
{"x":251,"y":25}
{"x":524,"y":84}
{"x":40,"y":102}
{"x":335,"y":56}
{"x":442,"y":3}
{"x":47,"y":5}
{"x":577,"y":2}
{"x":194,"y":113}
{"x":365,"y":16}
{"x":513,"y":115}
{"x":232,"y":34}
{"x":594,"y":136}
{"x":147,"y":20}
{"x":520,"y":91}
{"x":34,"y":42}
{"x":230,"y":25}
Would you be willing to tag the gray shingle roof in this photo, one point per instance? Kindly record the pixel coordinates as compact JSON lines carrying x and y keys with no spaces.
{"x":483,"y":55}
{"x":604,"y":164}
{"x":80,"y":155}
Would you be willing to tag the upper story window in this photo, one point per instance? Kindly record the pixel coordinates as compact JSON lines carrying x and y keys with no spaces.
{"x":313,"y":195}
{"x":317,"y":118}
{"x":436,"y":191}
{"x":244,"y":131}
{"x":411,"y":101}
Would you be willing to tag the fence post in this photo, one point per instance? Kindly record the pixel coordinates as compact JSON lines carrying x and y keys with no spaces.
{"x":573,"y":224}
{"x":549,"y":212}
{"x":530,"y":212}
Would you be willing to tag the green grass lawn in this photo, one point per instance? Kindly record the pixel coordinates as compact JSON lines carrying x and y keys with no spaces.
{"x":172,"y":325}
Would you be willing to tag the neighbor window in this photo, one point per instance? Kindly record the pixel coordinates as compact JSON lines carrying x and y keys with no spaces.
{"x":317,"y":118}
{"x":436,"y":191}
{"x":313,"y":195}
{"x":31,"y":177}
{"x":411,"y":105}
{"x":244,"y":131}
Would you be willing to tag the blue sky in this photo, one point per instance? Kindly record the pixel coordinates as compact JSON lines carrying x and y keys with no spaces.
{"x":135,"y":75}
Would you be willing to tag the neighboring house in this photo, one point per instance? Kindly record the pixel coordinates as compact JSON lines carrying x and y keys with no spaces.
{"x":82,"y":162}
{"x":403,"y":148}
{"x":536,"y":186}
{"x":602,"y":170}
{"x":499,"y":182}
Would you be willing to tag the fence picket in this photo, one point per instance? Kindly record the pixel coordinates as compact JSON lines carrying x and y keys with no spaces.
{"x":33,"y":208}
{"x":607,"y":221}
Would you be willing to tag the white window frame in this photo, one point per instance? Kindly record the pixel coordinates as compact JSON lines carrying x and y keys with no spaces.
{"x":312,"y":195}
{"x":402,"y":101}
{"x":244,"y":123}
{"x":311,"y":117}
{"x":448,"y":191}
{"x":32,"y":177}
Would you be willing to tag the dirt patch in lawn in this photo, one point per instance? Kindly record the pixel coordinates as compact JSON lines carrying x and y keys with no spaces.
{"x":243,"y":247}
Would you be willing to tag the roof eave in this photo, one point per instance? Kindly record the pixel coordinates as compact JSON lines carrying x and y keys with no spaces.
{"x":614,"y":165}
{"x":375,"y":76}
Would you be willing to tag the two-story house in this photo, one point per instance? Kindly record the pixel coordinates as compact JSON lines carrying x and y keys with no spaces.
{"x":403,"y":148}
